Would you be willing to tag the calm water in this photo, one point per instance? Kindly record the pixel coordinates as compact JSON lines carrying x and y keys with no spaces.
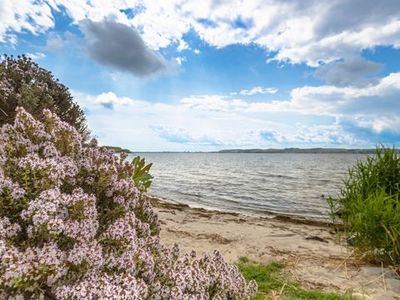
{"x":287,"y":184}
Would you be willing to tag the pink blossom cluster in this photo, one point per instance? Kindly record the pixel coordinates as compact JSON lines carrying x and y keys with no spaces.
{"x":73,"y":226}
{"x":19,"y":76}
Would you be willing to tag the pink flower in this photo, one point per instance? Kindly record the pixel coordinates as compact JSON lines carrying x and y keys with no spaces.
{"x":73,"y":225}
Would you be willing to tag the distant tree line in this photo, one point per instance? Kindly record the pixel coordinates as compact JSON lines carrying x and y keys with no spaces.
{"x":300,"y":150}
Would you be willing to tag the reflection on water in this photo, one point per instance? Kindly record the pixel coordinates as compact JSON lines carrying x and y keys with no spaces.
{"x":288,"y":184}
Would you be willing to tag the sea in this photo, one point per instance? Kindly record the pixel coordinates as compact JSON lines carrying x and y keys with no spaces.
{"x":265,"y":184}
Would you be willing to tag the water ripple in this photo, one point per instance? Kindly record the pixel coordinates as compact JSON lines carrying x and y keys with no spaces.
{"x":287,"y":184}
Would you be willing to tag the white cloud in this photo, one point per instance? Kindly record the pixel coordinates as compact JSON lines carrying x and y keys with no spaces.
{"x":143,"y":125}
{"x":214,"y":103}
{"x":182,"y":136}
{"x":380,"y":98}
{"x":358,"y":117}
{"x":180,"y":60}
{"x":36,"y":55}
{"x":308,"y":32}
{"x":325,"y":34}
{"x":24,"y":15}
{"x":182,"y":45}
{"x":309,"y":136}
{"x":258,"y":90}
{"x":293,"y":29}
{"x":110,"y":99}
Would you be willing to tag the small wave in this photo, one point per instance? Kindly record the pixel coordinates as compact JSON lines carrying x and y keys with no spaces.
{"x":262,"y":184}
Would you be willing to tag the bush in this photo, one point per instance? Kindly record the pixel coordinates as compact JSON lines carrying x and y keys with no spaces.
{"x":24,"y":83}
{"x":73,"y":226}
{"x":369,"y":207}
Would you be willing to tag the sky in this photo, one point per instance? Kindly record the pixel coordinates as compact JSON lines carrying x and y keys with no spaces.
{"x":220,"y":74}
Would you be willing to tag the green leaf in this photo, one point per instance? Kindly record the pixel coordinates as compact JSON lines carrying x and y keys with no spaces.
{"x":141,"y":177}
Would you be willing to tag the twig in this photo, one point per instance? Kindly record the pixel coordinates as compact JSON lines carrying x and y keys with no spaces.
{"x":4,"y":112}
{"x":377,"y":278}
{"x":345,"y":267}
{"x":283,"y":287}
{"x":343,"y":262}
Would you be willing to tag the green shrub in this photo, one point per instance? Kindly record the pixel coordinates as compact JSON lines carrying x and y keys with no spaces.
{"x":23,"y":83}
{"x":368,"y":206}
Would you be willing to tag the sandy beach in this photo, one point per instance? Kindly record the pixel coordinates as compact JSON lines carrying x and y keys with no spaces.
{"x":310,"y":251}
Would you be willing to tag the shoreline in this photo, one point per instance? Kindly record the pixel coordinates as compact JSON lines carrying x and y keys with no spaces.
{"x":162,"y":202}
{"x":310,"y":250}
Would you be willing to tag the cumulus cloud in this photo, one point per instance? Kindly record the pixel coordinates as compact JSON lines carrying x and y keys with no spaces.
{"x":120,"y":46}
{"x":352,"y":71}
{"x":289,"y":28}
{"x":381,"y":98}
{"x":336,"y":17}
{"x":108,"y":100}
{"x":296,"y":31}
{"x":375,"y":107}
{"x":350,"y":117}
{"x":378,"y":99}
{"x":143,"y":125}
{"x":382,"y":130}
{"x":24,"y":15}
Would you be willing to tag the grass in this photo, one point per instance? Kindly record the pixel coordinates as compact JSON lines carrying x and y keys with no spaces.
{"x":368,"y":206}
{"x":272,"y":283}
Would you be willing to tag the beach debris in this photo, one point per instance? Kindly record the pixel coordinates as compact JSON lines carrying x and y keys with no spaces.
{"x":316,"y":238}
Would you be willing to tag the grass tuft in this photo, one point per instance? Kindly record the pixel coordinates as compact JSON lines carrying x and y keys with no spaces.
{"x":273,"y":284}
{"x":369,"y":207}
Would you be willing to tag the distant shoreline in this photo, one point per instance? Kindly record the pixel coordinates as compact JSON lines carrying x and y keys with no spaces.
{"x":269,"y":150}
{"x":301,"y":150}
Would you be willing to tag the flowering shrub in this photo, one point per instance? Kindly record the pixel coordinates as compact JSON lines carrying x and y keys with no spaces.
{"x":73,"y":226}
{"x":24,"y":83}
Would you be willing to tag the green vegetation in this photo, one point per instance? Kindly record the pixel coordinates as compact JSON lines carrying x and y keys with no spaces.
{"x":272,"y":284}
{"x":118,"y":149}
{"x":140,"y":176}
{"x":24,"y":84}
{"x":368,"y":206}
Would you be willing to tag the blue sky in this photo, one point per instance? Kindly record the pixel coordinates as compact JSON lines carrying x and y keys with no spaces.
{"x":189,"y":75}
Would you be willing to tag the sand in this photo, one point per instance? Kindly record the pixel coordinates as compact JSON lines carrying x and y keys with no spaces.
{"x":311,"y":252}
